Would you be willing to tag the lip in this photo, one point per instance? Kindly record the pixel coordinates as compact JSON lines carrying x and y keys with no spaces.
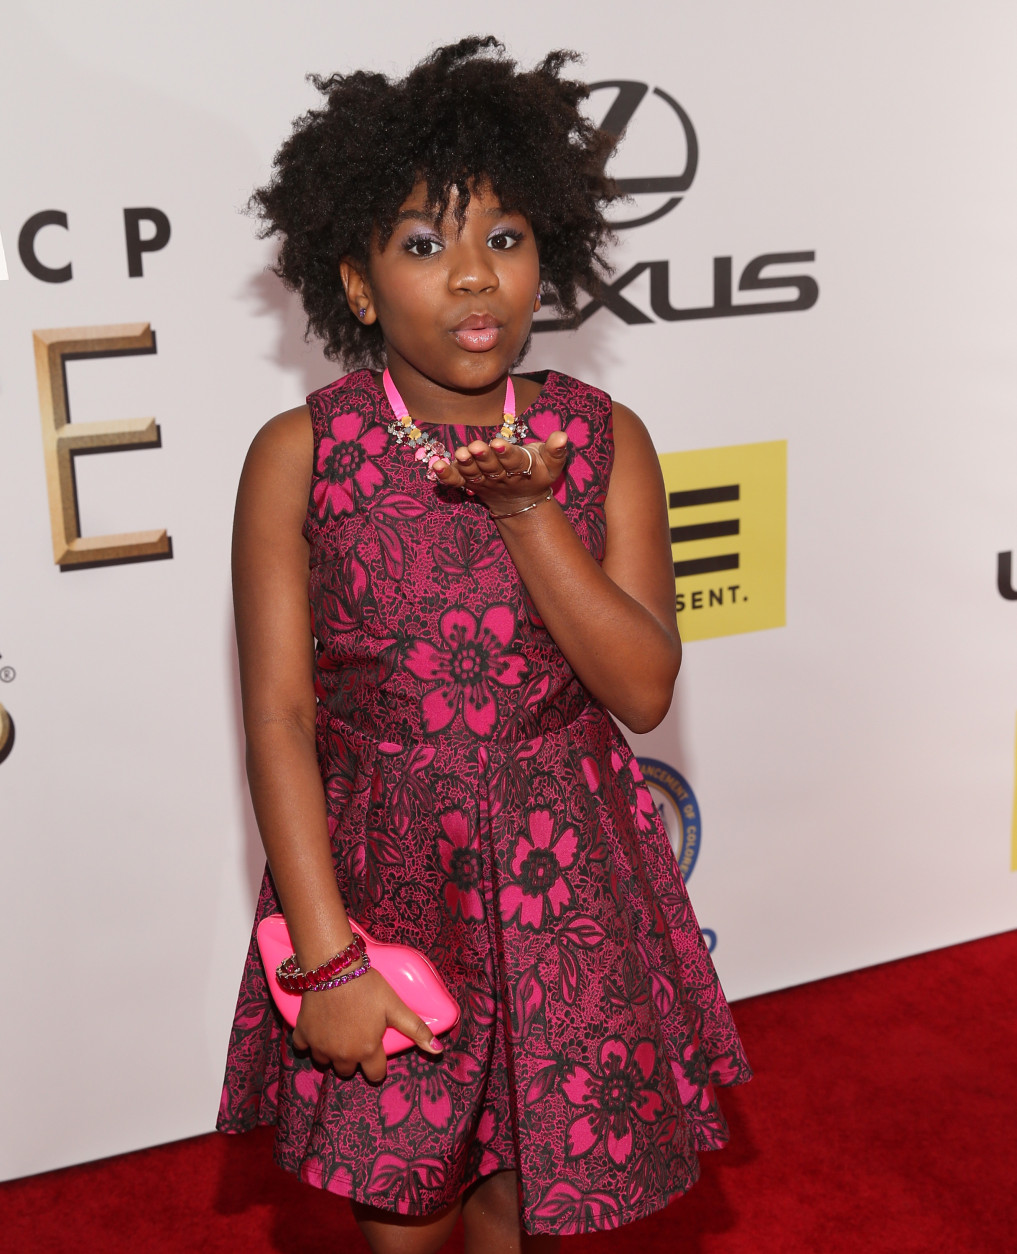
{"x":477,"y":332}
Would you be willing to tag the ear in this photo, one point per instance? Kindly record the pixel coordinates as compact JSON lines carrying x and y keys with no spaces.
{"x":358,"y":291}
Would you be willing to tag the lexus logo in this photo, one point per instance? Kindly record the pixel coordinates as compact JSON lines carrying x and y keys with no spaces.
{"x":667,"y":134}
{"x":658,"y":133}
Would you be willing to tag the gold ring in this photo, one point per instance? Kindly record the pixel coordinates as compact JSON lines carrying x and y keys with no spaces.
{"x":514,"y":474}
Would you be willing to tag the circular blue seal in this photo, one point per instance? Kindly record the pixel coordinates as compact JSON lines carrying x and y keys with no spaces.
{"x":678,"y":809}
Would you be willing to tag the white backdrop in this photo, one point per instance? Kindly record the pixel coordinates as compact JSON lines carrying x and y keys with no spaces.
{"x":854,"y":768}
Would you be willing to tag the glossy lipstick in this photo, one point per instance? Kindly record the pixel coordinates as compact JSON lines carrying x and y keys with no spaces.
{"x":477,"y":333}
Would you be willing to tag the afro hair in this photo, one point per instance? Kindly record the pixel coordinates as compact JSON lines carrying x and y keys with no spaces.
{"x":466,"y":115}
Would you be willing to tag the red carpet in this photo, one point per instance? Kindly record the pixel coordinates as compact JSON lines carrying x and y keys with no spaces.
{"x":883,"y":1120}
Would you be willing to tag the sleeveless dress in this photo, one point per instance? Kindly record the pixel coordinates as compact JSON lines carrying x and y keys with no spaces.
{"x":484,"y":808}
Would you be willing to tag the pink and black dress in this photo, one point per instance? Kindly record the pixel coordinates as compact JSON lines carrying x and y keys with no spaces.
{"x":484,"y":808}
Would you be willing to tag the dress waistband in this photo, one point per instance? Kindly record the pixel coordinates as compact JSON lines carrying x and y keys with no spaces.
{"x":545,"y":720}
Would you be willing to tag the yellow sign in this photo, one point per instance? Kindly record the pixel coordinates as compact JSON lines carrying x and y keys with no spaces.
{"x":728,"y":514}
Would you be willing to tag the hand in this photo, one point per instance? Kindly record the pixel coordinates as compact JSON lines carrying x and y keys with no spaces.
{"x":343,"y":1027}
{"x":495,"y":472}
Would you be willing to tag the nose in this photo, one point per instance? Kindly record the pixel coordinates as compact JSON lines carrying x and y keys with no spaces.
{"x":472,"y":268}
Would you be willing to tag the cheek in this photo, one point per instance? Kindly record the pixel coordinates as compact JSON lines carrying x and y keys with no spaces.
{"x":527,"y":270}
{"x":408,"y":302}
{"x":523,"y":282}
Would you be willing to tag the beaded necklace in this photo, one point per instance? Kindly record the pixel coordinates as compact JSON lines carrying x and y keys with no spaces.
{"x":428,"y":448}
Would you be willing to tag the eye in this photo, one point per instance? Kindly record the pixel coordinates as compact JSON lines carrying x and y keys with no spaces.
{"x":422,"y":245}
{"x":504,"y":239}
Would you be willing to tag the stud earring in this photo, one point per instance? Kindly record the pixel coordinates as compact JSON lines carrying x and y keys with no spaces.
{"x":536,"y":303}
{"x":361,"y":314}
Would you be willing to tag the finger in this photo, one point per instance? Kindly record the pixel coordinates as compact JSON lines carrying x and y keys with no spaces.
{"x":485,"y":457}
{"x":375,"y":1068}
{"x":554,"y":454}
{"x":411,"y":1025}
{"x":299,"y":1040}
{"x":448,"y":474}
{"x":516,"y":459}
{"x":556,"y":445}
{"x":468,"y":469}
{"x":342,"y":1066}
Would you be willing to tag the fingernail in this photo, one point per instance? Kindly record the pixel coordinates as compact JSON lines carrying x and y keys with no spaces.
{"x":498,"y":447}
{"x":439,"y":465}
{"x":436,"y":1044}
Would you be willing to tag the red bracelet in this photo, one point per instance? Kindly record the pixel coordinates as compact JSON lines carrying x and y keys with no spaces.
{"x":344,"y":978}
{"x":293,"y":980}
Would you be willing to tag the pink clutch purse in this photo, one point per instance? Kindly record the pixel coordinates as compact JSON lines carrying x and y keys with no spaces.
{"x":411,"y":975}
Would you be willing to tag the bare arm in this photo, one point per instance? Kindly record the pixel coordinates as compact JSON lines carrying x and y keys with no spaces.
{"x":276,"y":651}
{"x":615,"y":623}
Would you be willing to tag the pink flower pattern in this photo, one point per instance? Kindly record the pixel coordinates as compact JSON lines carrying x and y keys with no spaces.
{"x":611,"y":1098}
{"x":484,"y":808}
{"x":420,"y":1082}
{"x":345,"y":465}
{"x":475,"y":657}
{"x":579,"y":474}
{"x":459,"y":854}
{"x":538,"y":861}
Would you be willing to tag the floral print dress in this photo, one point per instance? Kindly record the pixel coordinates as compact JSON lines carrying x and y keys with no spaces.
{"x":484,"y":808}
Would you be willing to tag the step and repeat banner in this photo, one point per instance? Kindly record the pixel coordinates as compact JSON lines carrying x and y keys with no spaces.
{"x":812,"y":310}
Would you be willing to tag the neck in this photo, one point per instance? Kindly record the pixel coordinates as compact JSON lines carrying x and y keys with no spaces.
{"x":430,"y":401}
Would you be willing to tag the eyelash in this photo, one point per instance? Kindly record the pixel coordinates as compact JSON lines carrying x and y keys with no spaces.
{"x":412,"y":242}
{"x":506,"y":233}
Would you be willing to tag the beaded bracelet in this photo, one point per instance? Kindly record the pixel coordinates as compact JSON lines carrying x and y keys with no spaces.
{"x":526,"y":508}
{"x":344,"y":978}
{"x":293,"y":980}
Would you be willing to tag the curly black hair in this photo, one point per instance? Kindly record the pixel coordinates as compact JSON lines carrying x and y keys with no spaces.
{"x":465,"y":115}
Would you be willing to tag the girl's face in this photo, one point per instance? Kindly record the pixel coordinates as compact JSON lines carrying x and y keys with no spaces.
{"x":455,"y":303}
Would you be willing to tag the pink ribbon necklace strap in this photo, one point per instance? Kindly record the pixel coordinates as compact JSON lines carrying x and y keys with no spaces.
{"x":429,"y":449}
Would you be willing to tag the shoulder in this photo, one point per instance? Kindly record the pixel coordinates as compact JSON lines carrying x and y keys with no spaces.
{"x":626,"y":426}
{"x":579,"y":392}
{"x":629,"y":429}
{"x":636,"y":465}
{"x":284,"y":442}
{"x":277,"y":471}
{"x":554,"y":388}
{"x":356,"y":390}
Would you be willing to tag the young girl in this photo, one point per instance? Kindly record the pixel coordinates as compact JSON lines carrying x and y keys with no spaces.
{"x":447,"y":578}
